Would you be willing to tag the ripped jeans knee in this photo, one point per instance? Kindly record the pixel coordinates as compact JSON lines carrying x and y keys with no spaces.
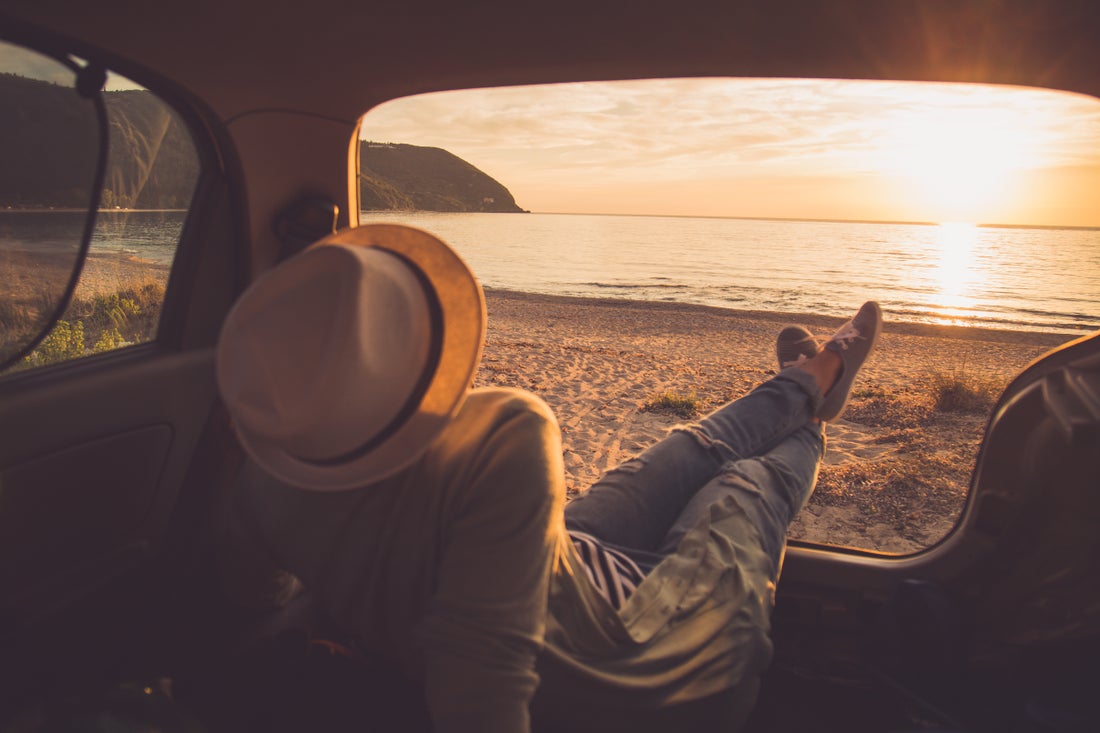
{"x":718,"y":449}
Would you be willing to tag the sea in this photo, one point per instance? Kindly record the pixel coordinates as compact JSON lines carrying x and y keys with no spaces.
{"x":998,"y":277}
{"x":1035,"y":279}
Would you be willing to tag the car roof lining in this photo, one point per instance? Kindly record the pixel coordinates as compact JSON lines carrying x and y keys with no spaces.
{"x":309,"y":58}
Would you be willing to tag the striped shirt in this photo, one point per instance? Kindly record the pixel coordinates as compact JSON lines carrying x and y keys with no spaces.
{"x":613,"y":574}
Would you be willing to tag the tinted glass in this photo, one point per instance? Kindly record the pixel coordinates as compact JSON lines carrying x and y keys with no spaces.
{"x":151,"y":175}
{"x":50,"y":145}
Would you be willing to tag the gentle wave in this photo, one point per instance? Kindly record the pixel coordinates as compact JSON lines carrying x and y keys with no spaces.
{"x":1013,"y":278}
{"x":635,"y":286}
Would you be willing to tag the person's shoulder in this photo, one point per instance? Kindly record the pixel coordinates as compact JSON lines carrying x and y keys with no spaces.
{"x":510,"y":401}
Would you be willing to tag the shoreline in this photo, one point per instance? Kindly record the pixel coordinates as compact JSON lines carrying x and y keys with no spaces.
{"x":907,"y":328}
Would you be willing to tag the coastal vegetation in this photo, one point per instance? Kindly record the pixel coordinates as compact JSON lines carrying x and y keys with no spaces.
{"x":923,"y":442}
{"x":100,"y":323}
{"x":961,"y":391}
{"x":674,"y":403}
{"x":50,"y":163}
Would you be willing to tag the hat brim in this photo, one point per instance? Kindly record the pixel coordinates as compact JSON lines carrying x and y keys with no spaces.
{"x":462,"y":305}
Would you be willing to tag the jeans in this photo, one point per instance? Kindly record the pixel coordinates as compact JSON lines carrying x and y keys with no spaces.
{"x":763,"y":450}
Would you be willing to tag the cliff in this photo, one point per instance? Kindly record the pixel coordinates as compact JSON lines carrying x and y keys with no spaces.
{"x":397,"y":176}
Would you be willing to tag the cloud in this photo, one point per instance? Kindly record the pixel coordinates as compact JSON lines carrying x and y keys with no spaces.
{"x":674,"y":132}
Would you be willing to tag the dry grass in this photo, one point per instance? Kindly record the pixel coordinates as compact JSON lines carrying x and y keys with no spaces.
{"x":117,"y":302}
{"x":959,"y":391}
{"x":132,"y":311}
{"x":933,"y":429}
{"x":939,"y":392}
{"x":902,"y":490}
{"x":890,"y":409}
{"x":670,"y":401}
{"x":98,"y":323}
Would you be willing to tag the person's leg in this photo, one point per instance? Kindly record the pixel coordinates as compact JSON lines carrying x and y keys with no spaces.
{"x":635,"y":505}
{"x":771,"y":488}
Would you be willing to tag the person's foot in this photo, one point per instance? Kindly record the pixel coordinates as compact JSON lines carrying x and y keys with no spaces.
{"x":853,"y":344}
{"x":795,"y":345}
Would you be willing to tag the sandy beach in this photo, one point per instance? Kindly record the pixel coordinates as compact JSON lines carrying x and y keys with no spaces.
{"x":896,"y":468}
{"x":25,"y":274}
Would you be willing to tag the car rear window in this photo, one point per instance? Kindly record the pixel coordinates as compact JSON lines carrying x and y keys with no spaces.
{"x":642,"y":242}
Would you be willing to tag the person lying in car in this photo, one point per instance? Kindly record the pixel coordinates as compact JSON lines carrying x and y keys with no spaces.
{"x":429,"y":519}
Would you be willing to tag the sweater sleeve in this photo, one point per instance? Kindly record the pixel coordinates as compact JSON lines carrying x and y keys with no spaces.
{"x":250,"y":576}
{"x":487,"y":618}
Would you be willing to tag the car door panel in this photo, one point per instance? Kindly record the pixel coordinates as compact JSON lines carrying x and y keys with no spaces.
{"x":1000,"y":618}
{"x":91,"y":468}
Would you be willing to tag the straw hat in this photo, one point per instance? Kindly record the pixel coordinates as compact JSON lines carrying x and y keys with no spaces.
{"x":342,"y":364}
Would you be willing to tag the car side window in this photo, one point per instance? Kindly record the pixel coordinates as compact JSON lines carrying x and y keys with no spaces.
{"x":148,"y":181}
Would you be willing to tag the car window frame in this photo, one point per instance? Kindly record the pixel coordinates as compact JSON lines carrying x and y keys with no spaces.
{"x":214,"y":185}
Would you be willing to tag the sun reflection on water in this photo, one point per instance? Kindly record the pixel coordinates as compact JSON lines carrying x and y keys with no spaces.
{"x":957,"y":270}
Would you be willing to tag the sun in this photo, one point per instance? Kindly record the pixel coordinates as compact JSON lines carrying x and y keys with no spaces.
{"x":961,"y":164}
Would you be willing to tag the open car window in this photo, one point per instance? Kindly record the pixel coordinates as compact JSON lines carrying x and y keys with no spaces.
{"x":148,"y":180}
{"x":642,"y":243}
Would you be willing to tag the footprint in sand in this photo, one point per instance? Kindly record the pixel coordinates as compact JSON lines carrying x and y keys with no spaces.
{"x":846,"y":441}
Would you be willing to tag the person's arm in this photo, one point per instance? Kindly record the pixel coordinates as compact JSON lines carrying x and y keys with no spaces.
{"x":250,"y":576}
{"x":487,"y":620}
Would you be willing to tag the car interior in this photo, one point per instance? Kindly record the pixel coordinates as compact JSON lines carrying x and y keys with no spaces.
{"x":116,"y":469}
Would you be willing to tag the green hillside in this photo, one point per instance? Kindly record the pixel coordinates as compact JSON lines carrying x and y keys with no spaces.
{"x":49,"y":143}
{"x":48,"y":149}
{"x":396,"y":176}
{"x":153,"y":164}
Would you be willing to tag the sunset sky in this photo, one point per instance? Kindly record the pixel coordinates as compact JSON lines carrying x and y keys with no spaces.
{"x":797,"y":148}
{"x":773,"y":148}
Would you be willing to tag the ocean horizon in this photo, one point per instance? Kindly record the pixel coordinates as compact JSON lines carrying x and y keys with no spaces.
{"x":1006,"y":277}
